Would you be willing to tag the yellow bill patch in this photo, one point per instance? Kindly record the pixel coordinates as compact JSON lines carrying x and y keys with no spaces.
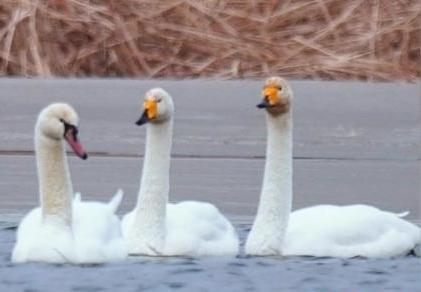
{"x":272,"y":95}
{"x":151,"y":108}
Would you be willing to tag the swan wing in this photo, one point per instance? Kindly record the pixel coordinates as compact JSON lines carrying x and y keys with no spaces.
{"x":77,"y":198}
{"x":97,"y":232}
{"x":116,"y":201}
{"x":349,"y":231}
{"x":199,"y":229}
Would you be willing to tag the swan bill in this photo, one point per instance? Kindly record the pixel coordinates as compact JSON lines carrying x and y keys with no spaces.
{"x":263,"y":104}
{"x":150,"y":113}
{"x":151,"y":108}
{"x":277,"y":109}
{"x":143,"y":119}
{"x":70,"y":135}
{"x":272,"y":94}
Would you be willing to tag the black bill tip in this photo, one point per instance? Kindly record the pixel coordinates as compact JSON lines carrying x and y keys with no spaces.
{"x":263,"y":104}
{"x":84,"y":156}
{"x":143,"y":119}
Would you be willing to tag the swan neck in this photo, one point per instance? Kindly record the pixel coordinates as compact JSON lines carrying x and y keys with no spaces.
{"x":55,"y":186}
{"x":278,"y":164}
{"x":154,"y":185}
{"x":276,"y":194}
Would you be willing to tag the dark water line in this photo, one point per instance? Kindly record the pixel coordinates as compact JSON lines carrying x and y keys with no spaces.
{"x":232,"y":157}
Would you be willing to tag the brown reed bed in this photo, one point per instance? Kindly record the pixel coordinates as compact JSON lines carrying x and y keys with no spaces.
{"x":328,"y":39}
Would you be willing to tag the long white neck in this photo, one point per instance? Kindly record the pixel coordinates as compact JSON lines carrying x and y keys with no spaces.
{"x":269,"y":227}
{"x":152,"y":200}
{"x":55,"y":186}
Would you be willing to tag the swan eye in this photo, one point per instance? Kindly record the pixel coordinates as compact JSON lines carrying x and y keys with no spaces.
{"x":68,"y":127}
{"x":280,"y":88}
{"x":159,"y":100}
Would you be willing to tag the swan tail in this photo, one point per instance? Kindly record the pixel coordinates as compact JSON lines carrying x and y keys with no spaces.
{"x":402,"y":214}
{"x":78,"y":198}
{"x":116,"y":201}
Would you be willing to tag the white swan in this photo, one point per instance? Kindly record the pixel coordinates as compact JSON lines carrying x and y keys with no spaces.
{"x":324,"y":230}
{"x":155,"y":227}
{"x":64,"y":229}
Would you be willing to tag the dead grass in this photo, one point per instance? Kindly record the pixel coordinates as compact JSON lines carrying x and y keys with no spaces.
{"x":328,"y":39}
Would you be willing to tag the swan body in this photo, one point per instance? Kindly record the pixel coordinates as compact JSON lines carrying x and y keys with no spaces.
{"x":38,"y":242}
{"x":323,"y":230}
{"x":192,"y":229}
{"x":157,"y":228}
{"x":64,"y":228}
{"x":94,"y":237}
{"x":349,"y":231}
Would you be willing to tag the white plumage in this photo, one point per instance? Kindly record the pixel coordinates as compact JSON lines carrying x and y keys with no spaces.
{"x":65,"y":229}
{"x":349,"y":231}
{"x":93,"y":237}
{"x":323,"y":230}
{"x":155,"y":227}
{"x":194,"y":229}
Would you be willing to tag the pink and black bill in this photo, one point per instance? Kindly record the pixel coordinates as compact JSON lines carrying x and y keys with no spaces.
{"x":70,"y":135}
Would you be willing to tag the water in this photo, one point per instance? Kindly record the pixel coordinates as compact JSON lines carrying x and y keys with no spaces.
{"x":347,"y":150}
{"x":211,"y":274}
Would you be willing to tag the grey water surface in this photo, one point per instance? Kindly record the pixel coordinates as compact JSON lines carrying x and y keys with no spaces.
{"x":212,"y":274}
{"x":354,"y":142}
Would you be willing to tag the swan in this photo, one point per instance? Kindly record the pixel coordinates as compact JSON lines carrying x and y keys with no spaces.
{"x":321,"y":230}
{"x":65,"y":229}
{"x":155,"y":227}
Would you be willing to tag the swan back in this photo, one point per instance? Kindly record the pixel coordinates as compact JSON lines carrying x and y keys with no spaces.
{"x":97,"y":231}
{"x":199,"y":229}
{"x":349,"y":231}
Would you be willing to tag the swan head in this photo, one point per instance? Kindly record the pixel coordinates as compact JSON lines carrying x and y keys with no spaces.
{"x":277,"y":96}
{"x":59,"y":121}
{"x":157,"y":107}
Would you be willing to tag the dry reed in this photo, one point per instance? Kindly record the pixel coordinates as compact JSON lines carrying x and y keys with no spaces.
{"x":328,"y":39}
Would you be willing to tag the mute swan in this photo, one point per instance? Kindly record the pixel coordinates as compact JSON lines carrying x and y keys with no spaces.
{"x":155,"y":227}
{"x":62,"y":229}
{"x":324,"y":230}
